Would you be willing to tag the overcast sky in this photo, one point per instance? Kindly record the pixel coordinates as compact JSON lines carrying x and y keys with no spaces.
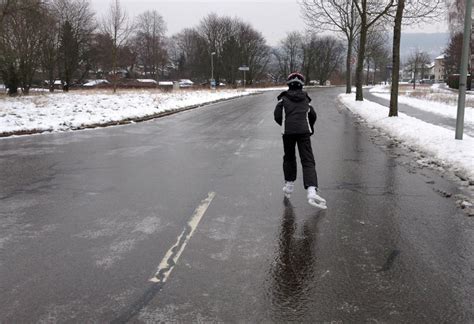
{"x":274,"y":18}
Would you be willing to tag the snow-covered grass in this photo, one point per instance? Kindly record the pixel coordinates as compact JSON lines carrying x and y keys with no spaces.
{"x":434,"y":141}
{"x":436,"y":93}
{"x":79,"y":109}
{"x":431,"y":99}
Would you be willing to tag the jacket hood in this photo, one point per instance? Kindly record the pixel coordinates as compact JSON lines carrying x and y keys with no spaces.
{"x":295,"y":95}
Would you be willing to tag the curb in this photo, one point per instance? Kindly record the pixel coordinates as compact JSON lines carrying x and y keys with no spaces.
{"x":123,"y":121}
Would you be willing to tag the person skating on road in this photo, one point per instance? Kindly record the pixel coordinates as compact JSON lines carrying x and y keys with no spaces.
{"x":297,"y":117}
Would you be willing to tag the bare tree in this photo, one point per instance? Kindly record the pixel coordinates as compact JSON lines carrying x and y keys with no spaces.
{"x":370,"y":13}
{"x":117,"y":26}
{"x":329,"y":53}
{"x":234,"y":43}
{"x":289,"y":53}
{"x":417,"y":63}
{"x":149,"y":41}
{"x":9,"y":7}
{"x":335,"y":15}
{"x":20,"y":41}
{"x":381,"y":59}
{"x":254,"y":51}
{"x":190,"y":54}
{"x":100,"y":54}
{"x":408,"y":11}
{"x":456,"y":10}
{"x":76,"y":25}
{"x":50,"y":47}
{"x":321,"y":57}
{"x":377,"y":39}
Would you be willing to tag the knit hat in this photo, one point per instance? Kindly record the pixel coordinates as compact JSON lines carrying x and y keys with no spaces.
{"x":295,"y":77}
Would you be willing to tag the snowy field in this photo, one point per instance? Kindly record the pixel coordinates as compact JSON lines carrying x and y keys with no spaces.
{"x":74,"y":110}
{"x":434,"y":99}
{"x":436,"y":142}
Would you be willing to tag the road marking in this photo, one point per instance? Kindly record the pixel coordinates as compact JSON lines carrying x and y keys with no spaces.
{"x":261,"y":122}
{"x":172,"y":256}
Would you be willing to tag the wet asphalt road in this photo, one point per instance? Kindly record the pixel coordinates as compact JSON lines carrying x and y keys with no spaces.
{"x":87,"y":217}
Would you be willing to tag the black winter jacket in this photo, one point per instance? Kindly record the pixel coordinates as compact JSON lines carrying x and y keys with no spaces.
{"x":294,"y":113}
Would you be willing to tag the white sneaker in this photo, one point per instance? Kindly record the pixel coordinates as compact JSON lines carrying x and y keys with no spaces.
{"x":316,"y":200}
{"x":288,"y":188}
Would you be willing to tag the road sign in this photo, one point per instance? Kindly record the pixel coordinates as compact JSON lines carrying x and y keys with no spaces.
{"x":244,"y":68}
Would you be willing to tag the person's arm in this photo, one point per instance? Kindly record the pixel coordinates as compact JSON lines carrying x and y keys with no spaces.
{"x":312,"y":117}
{"x":278,"y":113}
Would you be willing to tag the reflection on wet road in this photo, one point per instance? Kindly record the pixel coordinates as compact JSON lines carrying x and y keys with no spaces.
{"x":293,"y":272}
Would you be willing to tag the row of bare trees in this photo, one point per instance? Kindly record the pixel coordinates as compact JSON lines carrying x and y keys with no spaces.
{"x":355,"y":20}
{"x":318,"y":57}
{"x":49,"y":36}
{"x":64,"y":40}
{"x":229,"y":42}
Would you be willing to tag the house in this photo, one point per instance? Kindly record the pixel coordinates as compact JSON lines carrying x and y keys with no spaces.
{"x":430,"y":72}
{"x":439,"y":70}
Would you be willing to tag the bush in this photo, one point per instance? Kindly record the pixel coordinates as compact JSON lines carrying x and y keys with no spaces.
{"x":453,"y":81}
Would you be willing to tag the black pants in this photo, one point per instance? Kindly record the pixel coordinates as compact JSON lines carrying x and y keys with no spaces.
{"x":310,"y":178}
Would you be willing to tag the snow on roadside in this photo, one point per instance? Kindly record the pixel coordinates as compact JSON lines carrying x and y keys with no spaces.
{"x":435,"y":141}
{"x":67,"y":111}
{"x":434,"y":107}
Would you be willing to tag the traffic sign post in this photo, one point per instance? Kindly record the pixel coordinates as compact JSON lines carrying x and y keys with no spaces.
{"x":244,"y":68}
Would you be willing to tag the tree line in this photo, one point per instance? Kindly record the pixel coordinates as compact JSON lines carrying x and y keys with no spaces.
{"x":65,"y":40}
{"x":355,"y":20}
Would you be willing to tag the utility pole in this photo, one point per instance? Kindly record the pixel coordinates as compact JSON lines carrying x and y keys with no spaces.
{"x":463,"y":72}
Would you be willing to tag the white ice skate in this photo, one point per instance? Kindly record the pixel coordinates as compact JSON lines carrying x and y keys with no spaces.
{"x":288,"y":188}
{"x":316,"y":200}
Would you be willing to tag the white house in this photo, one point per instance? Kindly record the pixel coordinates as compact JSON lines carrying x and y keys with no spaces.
{"x":439,"y":70}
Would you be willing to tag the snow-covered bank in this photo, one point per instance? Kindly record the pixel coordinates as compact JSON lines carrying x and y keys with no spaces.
{"x":429,"y":103}
{"x":75,"y":110}
{"x":434,"y":141}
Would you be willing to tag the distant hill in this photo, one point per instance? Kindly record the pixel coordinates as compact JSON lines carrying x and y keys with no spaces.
{"x":434,"y":44}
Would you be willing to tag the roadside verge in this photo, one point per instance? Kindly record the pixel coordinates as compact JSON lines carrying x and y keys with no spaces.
{"x":435,"y":142}
{"x":70,"y":112}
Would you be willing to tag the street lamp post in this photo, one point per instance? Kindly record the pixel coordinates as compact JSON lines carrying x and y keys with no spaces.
{"x":463,"y":72}
{"x":212,"y":70}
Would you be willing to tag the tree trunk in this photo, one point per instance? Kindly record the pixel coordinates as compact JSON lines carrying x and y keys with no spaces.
{"x":374,"y":75}
{"x":349,"y":66}
{"x":397,"y":34}
{"x":51,"y":80}
{"x":361,"y":57}
{"x":414,"y":77}
{"x":11,"y":80}
{"x":114,"y":67}
{"x":67,"y":79}
{"x":367,"y":77}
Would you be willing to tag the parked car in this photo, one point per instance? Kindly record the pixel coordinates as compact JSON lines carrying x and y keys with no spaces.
{"x":93,"y":83}
{"x":185,"y":83}
{"x":148,"y":81}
